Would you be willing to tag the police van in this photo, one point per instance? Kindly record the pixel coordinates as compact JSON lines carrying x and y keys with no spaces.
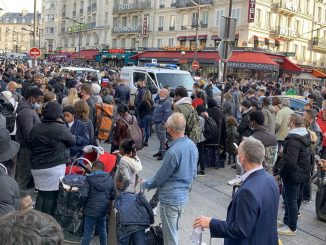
{"x":156,"y":77}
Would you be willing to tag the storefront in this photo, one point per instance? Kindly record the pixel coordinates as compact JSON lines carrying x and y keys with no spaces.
{"x":87,"y":56}
{"x":116,"y":57}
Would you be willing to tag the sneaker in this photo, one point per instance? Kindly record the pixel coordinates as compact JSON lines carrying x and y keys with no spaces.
{"x":145,"y":143}
{"x":201,"y":173}
{"x":306,"y":201}
{"x":157,"y":154}
{"x":299,"y":214}
{"x":233,"y":166}
{"x":155,"y":211}
{"x":35,"y":190}
{"x":285,"y":230}
{"x":160,"y":158}
{"x":235,"y":181}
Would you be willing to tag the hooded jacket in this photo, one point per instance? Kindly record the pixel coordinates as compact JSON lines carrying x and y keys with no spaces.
{"x":26,"y":119}
{"x":96,"y":194}
{"x":126,"y":172}
{"x":9,"y":193}
{"x":50,"y":142}
{"x":296,"y":162}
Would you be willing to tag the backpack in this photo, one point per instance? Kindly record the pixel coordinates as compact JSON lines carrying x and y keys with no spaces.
{"x":155,"y":235}
{"x":8,"y":111}
{"x":104,"y":117}
{"x":211,"y":129}
{"x":134,"y":132}
{"x":193,"y":128}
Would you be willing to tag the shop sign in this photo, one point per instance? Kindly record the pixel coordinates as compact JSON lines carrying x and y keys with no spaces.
{"x":122,"y":29}
{"x":126,"y":6}
{"x":116,"y":51}
{"x":286,"y":31}
{"x":78,"y":28}
{"x":145,"y":25}
{"x":183,"y":48}
{"x":251,"y":11}
{"x":253,"y":66}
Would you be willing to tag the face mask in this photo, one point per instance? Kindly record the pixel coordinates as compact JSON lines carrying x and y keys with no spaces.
{"x":35,"y":106}
{"x":251,"y":125}
{"x":238,"y":161}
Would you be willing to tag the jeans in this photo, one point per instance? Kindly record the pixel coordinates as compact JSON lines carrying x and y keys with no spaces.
{"x":170,"y":215}
{"x":89,"y":229}
{"x":201,"y":152}
{"x":144,"y":124}
{"x":46,"y":202}
{"x":292,"y":200}
{"x":161,"y":135}
{"x":24,"y":174}
{"x":136,"y":238}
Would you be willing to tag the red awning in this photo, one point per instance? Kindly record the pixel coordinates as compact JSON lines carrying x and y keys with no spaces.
{"x":215,"y":37}
{"x":202,"y":37}
{"x":192,"y":38}
{"x":181,"y":38}
{"x":319,"y":74}
{"x":290,"y":67}
{"x":251,"y":57}
{"x":85,"y":54}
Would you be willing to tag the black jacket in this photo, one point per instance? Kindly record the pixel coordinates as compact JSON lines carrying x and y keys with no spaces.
{"x":296,"y":158}
{"x":97,"y":193}
{"x":26,"y":119}
{"x":219,"y":118}
{"x":265,"y":136}
{"x":49,"y":143}
{"x":243,"y":128}
{"x":9,"y":193}
{"x":122,"y":92}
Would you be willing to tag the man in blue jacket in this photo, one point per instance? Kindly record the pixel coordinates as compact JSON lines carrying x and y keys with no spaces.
{"x":178,"y":170}
{"x":161,"y":113}
{"x":252,"y":214}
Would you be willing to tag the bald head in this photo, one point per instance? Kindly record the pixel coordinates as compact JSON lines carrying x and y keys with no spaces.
{"x":163,"y":93}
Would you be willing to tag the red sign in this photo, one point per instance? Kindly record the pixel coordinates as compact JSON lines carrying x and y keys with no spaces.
{"x":34,"y":52}
{"x":251,"y":11}
{"x":195,"y":65}
{"x":116,"y":51}
{"x":145,"y":24}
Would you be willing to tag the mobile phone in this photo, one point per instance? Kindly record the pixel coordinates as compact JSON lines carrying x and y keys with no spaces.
{"x":235,"y":145}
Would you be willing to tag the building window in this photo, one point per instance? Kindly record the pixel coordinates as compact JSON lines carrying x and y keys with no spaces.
{"x":172,"y":20}
{"x":184,"y":20}
{"x":295,"y":50}
{"x":194,"y":19}
{"x":219,"y":14}
{"x":15,"y":21}
{"x":124,"y":21}
{"x":161,"y":21}
{"x":204,"y":20}
{"x":106,"y":17}
{"x":116,"y":21}
{"x":268,"y":20}
{"x":171,"y":42}
{"x":135,"y":20}
{"x":114,"y":43}
{"x":145,"y":42}
{"x":123,"y":43}
{"x":236,"y":14}
{"x":159,"y":42}
{"x":133,"y":43}
{"x":303,"y":53}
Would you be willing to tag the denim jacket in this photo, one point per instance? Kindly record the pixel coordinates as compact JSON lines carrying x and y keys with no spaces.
{"x":178,"y":170}
{"x":162,"y":110}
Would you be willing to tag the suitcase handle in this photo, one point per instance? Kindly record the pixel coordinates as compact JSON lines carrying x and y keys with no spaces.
{"x":76,"y":160}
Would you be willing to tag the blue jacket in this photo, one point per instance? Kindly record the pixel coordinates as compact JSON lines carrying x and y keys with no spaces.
{"x":252,"y":214}
{"x":122,"y":92}
{"x":162,"y":110}
{"x":79,"y":130}
{"x":96,"y":194}
{"x":178,"y":170}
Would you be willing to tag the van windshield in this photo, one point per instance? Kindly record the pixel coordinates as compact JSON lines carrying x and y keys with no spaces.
{"x":174,"y":80}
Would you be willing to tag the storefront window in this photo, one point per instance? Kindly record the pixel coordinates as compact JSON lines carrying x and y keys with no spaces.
{"x":202,"y":43}
{"x":182,"y":42}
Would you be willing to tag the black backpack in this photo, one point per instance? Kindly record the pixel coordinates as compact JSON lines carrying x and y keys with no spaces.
{"x":211,"y":129}
{"x":155,"y":235}
{"x":8,"y":111}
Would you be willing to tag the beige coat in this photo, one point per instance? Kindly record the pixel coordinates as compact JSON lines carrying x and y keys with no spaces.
{"x":281,"y":123}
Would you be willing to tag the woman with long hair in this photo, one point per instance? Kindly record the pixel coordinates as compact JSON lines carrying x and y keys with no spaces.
{"x":145,"y":110}
{"x":82,"y":113}
{"x":71,"y":99}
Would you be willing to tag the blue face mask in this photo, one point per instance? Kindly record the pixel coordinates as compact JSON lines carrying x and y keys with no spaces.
{"x":35,"y":106}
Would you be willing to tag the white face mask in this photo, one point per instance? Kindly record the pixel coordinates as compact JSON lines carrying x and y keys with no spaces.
{"x":238,"y":161}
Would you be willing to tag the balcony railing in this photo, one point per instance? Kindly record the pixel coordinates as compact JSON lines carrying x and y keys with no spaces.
{"x":188,"y":3}
{"x":289,"y":8}
{"x":128,"y":7}
{"x":284,"y":32}
{"x":319,"y":45}
{"x":127,"y":29}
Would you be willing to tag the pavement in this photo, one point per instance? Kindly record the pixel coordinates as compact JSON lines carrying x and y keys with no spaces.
{"x":210,"y":196}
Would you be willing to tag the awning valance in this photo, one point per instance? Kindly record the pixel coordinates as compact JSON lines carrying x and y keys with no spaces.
{"x":319,"y":74}
{"x":202,"y":37}
{"x":181,"y":38}
{"x":85,"y":54}
{"x":290,"y":67}
{"x":191,"y":38}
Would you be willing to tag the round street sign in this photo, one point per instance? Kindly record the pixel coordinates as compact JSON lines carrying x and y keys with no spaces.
{"x":34,"y":52}
{"x":225,"y":50}
{"x":195,"y":65}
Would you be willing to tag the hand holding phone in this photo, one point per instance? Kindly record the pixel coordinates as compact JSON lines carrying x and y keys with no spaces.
{"x":236,"y":146}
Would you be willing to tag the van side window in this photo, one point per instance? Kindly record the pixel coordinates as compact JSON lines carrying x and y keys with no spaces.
{"x":138,"y":76}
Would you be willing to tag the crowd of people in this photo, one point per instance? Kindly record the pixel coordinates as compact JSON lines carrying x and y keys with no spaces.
{"x":47,"y":120}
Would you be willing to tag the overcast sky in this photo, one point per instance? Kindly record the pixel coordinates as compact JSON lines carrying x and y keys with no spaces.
{"x":18,"y":5}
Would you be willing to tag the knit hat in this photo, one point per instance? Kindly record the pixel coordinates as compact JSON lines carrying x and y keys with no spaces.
{"x":246,"y":103}
{"x":69,"y":109}
{"x":96,"y":89}
{"x":107,"y":99}
{"x":52,"y":111}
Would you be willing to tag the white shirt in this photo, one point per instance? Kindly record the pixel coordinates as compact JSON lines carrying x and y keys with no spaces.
{"x":246,"y":175}
{"x":70,"y":124}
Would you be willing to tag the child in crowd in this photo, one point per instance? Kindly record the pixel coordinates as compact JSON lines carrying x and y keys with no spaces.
{"x":232,"y":137}
{"x":78,"y":129}
{"x":95,"y":198}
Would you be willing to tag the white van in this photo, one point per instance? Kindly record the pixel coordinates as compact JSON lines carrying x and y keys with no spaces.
{"x":156,"y":78}
{"x":81,"y":71}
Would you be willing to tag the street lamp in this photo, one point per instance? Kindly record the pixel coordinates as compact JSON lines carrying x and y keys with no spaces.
{"x":197,"y":26}
{"x":79,"y":38}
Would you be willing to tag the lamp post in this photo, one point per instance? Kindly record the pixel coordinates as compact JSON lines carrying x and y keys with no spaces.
{"x":79,"y":37}
{"x":197,"y":27}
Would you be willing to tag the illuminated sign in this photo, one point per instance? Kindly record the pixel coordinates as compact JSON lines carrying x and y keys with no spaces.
{"x":145,"y":25}
{"x":251,"y":11}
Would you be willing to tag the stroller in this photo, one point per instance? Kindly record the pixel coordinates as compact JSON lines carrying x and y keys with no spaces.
{"x":67,"y":212}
